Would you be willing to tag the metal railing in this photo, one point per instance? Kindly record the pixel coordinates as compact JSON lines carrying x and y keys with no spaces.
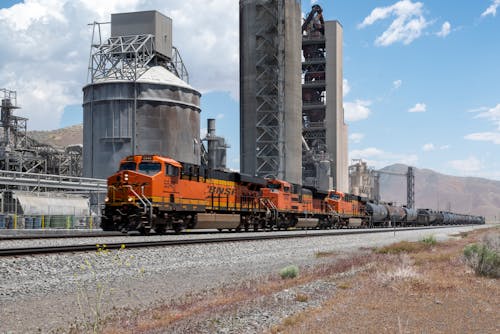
{"x":36,"y":180}
{"x":20,"y":222}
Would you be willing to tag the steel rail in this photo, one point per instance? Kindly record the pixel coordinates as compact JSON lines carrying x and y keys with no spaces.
{"x":181,"y":242}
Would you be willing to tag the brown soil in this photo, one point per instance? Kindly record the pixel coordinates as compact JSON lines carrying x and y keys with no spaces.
{"x":407,"y":289}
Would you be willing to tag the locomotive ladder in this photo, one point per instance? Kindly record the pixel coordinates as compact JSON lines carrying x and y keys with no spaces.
{"x":269,"y":205}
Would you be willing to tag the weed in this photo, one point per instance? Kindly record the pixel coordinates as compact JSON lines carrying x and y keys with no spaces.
{"x":94,"y":289}
{"x":291,"y":271}
{"x":404,"y":271}
{"x":320,"y":254}
{"x":429,"y":240}
{"x":484,"y":257}
{"x":301,"y":297}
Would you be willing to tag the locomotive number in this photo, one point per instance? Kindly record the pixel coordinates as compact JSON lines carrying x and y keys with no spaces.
{"x":221,"y":190}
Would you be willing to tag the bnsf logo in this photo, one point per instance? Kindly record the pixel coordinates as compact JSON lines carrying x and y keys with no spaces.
{"x":221,"y":190}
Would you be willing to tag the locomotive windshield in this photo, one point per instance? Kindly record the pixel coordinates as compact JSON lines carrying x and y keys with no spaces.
{"x":149,"y":168}
{"x":128,"y":166}
{"x":334,"y":196}
{"x":274,"y":186}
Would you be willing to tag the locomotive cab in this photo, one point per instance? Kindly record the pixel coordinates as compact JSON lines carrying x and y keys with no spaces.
{"x":132,"y":188}
{"x":281,"y":194}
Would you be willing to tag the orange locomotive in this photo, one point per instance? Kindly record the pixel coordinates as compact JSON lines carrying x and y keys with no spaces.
{"x":154,"y":192}
{"x":350,"y":209}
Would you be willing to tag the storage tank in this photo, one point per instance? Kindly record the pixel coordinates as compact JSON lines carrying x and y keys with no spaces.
{"x":377,"y":212}
{"x":157,"y":114}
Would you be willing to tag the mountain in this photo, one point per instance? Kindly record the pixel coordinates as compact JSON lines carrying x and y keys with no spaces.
{"x":59,"y":138}
{"x":437,"y":191}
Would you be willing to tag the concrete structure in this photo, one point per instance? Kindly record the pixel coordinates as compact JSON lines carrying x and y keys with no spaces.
{"x":324,"y":129}
{"x":270,"y":92}
{"x":136,"y":101}
{"x":363,"y":181}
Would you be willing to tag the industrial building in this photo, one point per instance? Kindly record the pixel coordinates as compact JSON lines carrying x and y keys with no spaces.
{"x":291,"y":114}
{"x":270,"y":89}
{"x":325,"y":159}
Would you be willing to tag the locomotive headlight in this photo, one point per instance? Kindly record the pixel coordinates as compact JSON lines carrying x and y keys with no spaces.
{"x":130,"y":199}
{"x":106,"y":200}
{"x":125,"y":177}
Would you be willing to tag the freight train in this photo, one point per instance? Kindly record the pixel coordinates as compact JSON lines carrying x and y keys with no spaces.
{"x":151,"y":192}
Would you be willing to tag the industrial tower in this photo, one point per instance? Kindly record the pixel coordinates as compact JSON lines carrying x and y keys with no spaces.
{"x":325,"y":160}
{"x":270,"y":89}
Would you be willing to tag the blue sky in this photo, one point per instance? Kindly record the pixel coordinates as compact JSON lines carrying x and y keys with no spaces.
{"x":437,"y":59}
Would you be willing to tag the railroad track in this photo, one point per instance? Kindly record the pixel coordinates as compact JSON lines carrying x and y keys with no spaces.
{"x":164,"y":243}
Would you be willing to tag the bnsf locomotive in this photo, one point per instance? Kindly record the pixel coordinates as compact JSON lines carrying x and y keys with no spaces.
{"x":153,"y":192}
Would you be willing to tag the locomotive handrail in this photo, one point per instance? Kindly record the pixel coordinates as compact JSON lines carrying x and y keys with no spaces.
{"x":149,"y":204}
{"x":137,"y":195}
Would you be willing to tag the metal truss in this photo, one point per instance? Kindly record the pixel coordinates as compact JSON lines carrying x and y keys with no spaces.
{"x":128,"y":57}
{"x":270,"y":125}
{"x":122,"y":58}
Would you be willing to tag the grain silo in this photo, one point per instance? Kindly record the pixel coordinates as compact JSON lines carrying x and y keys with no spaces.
{"x":138,"y":100}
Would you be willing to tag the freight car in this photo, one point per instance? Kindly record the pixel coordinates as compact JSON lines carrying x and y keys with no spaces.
{"x":151,"y":192}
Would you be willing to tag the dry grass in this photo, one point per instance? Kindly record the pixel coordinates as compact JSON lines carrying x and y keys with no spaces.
{"x":427,"y":290}
{"x":403,"y":247}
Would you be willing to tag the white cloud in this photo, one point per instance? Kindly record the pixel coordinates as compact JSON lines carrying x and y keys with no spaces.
{"x":345,"y":87}
{"x":356,"y":137}
{"x":378,"y":158}
{"x":445,"y":30}
{"x":428,"y":147}
{"x":407,"y":25}
{"x":357,"y":110}
{"x":471,"y":164}
{"x":444,"y":147}
{"x":396,"y":84}
{"x":49,"y":43}
{"x":492,"y":114}
{"x":494,"y":137}
{"x":219,"y":116}
{"x":419,"y":107}
{"x":492,"y":9}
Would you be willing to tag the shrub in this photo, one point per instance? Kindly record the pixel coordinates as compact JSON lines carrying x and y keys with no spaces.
{"x":429,"y":240}
{"x":289,"y":272}
{"x":484,"y":257}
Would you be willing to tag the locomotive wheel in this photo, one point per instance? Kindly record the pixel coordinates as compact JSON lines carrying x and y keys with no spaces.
{"x":161,"y":230}
{"x":144,"y":230}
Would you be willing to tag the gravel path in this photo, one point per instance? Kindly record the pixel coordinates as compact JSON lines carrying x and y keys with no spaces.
{"x":39,"y":293}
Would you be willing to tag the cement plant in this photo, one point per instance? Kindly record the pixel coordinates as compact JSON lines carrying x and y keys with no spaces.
{"x":138,"y":101}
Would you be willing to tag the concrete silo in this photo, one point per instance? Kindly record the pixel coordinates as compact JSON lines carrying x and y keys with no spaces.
{"x":270,"y":89}
{"x":137,"y":101}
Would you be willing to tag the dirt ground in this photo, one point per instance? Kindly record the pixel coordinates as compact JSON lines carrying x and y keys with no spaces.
{"x":404,"y":288}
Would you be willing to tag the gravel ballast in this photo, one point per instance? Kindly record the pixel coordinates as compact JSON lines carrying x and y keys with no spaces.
{"x":40,"y":293}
